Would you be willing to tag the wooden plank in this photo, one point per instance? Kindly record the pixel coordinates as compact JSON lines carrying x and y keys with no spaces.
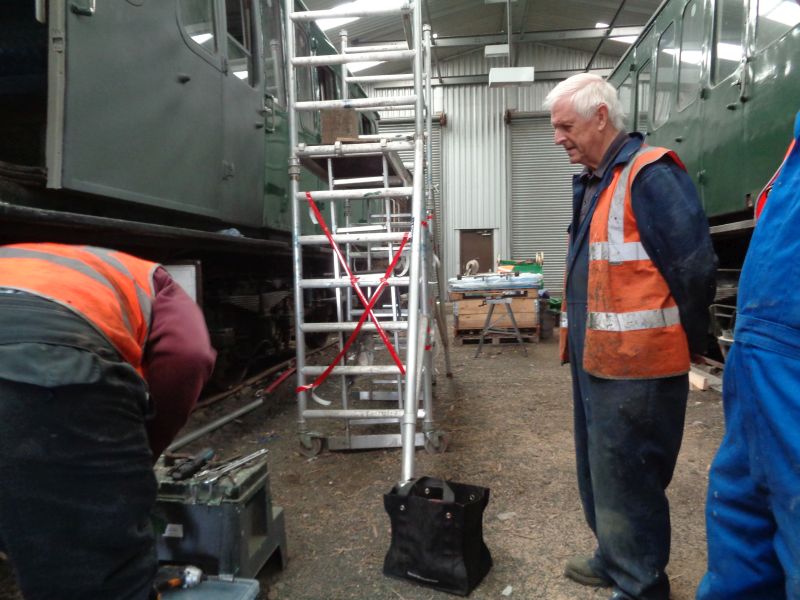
{"x":477,"y":321}
{"x":698,"y":380}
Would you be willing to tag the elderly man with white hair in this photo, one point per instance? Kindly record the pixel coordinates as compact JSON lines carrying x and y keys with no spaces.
{"x":640,"y":276}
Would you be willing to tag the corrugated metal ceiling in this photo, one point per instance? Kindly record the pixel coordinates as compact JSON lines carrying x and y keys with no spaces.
{"x":467,"y":18}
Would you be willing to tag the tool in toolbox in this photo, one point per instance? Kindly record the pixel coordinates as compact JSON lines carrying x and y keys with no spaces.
{"x":211,"y":475}
{"x":190,"y":466}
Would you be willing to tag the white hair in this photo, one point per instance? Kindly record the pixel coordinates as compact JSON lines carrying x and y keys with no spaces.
{"x":586,"y":92}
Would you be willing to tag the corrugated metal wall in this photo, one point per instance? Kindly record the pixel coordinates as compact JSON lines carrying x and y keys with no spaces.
{"x":401,"y":126}
{"x":476,"y":148}
{"x":541,"y":197}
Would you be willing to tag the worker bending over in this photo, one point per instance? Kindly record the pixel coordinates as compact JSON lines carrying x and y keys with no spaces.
{"x":102,"y":358}
{"x":640,"y":276}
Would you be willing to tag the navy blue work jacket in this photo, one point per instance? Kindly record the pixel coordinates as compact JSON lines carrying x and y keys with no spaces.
{"x":674,"y":231}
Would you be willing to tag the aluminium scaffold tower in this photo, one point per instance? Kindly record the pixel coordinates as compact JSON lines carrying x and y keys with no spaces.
{"x":378,"y":225}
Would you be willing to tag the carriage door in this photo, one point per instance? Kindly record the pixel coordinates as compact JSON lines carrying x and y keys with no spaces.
{"x":723,"y":112}
{"x":277,"y":210}
{"x":244,"y":115}
{"x":134,"y":108}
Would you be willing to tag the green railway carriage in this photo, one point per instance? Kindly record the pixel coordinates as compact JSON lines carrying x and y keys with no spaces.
{"x":160,"y":127}
{"x":718,"y":81}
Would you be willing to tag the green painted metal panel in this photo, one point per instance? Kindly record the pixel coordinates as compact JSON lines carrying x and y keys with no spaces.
{"x":142,"y":118}
{"x":732,"y":128}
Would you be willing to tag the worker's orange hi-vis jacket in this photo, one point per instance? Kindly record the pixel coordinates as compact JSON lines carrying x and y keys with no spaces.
{"x":633,"y":328}
{"x":111,"y":290}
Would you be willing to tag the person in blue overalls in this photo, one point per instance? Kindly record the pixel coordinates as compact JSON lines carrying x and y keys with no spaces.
{"x":753,"y":508}
{"x":640,"y":276}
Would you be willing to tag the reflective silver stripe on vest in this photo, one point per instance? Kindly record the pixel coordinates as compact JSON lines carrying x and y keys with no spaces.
{"x":617,"y":251}
{"x":69,"y":263}
{"x":563,"y":320}
{"x":145,"y":303}
{"x":634,"y":321}
{"x":622,"y":253}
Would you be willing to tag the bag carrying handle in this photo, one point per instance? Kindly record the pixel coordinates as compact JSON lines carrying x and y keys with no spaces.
{"x":425,"y":484}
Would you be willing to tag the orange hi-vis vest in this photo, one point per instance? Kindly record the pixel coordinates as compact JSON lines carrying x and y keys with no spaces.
{"x":633,"y":328}
{"x":111,"y":290}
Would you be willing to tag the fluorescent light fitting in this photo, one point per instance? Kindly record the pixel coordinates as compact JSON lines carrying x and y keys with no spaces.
{"x":496,"y":51}
{"x":625,"y":39}
{"x":363,"y":66}
{"x":202,"y":38}
{"x":241,"y":74}
{"x":600,"y":25}
{"x":510,"y":76}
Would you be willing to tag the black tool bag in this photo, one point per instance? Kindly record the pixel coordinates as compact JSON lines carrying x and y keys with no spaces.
{"x":437,"y":534}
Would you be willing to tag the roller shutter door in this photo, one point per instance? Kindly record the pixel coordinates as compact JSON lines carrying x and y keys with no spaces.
{"x":541,"y":197}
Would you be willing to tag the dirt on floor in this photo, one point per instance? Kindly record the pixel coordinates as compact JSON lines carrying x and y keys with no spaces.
{"x":509,"y":417}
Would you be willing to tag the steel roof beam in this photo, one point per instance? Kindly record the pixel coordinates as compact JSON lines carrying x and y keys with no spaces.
{"x":538,"y":36}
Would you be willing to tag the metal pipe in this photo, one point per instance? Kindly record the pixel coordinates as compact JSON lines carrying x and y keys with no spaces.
{"x":345,"y":72}
{"x":294,"y":178}
{"x":358,"y":413}
{"x":369,"y":103}
{"x":363,"y":281}
{"x":190,"y":437}
{"x":408,"y":427}
{"x":323,"y":196}
{"x":352,"y":238}
{"x":345,"y":327}
{"x":378,"y":47}
{"x":340,"y":59}
{"x":605,"y":36}
{"x":376,"y":78}
{"x":354,"y":370}
{"x":315,"y":15}
{"x":339,"y":149}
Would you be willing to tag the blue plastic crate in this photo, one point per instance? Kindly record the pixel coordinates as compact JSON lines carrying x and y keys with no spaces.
{"x":217,"y":589}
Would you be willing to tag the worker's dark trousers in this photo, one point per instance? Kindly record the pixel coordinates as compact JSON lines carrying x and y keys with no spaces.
{"x":627,"y":437}
{"x":78,"y":487}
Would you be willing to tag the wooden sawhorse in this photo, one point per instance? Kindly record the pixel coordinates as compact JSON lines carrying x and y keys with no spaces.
{"x":487,"y":326}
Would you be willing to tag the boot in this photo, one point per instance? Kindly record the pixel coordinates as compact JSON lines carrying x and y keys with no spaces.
{"x":579,"y":568}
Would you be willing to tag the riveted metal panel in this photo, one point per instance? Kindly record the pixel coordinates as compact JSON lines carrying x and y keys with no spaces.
{"x":541,"y":197}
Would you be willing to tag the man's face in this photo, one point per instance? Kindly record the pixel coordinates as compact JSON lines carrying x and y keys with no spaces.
{"x":582,"y":138}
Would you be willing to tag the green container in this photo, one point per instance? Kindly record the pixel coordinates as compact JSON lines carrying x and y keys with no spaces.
{"x":523,"y":266}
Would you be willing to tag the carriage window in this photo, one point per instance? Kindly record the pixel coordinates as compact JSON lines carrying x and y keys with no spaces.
{"x":197,"y":17}
{"x":691,"y":53}
{"x":626,"y":99}
{"x":643,"y":98}
{"x":775,"y":18}
{"x":728,"y":38}
{"x":240,"y":38}
{"x":274,"y":78}
{"x":305,"y":84}
{"x":327,"y":83}
{"x":665,"y":76}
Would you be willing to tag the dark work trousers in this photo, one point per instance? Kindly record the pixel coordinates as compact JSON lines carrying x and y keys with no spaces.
{"x":77,"y":480}
{"x":627,"y":437}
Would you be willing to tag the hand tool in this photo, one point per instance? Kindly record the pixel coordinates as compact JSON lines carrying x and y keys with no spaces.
{"x":192,"y":465}
{"x":212,"y":475}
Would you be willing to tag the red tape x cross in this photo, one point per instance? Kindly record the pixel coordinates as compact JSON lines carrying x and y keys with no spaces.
{"x":368,"y":304}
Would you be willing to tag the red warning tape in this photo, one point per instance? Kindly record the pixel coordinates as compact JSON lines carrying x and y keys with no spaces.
{"x":368,"y":304}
